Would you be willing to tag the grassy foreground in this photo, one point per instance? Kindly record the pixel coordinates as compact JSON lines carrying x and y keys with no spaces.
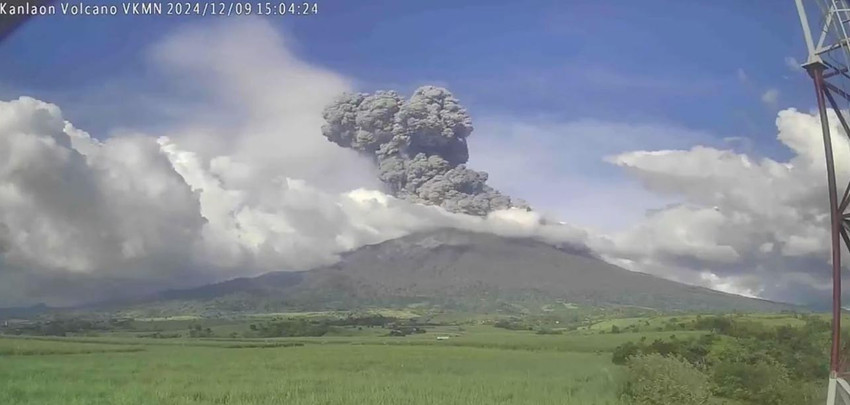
{"x":315,"y":373}
{"x":320,"y":358}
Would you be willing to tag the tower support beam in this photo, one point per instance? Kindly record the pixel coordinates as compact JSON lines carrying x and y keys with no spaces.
{"x":816,"y":72}
{"x":830,"y":59}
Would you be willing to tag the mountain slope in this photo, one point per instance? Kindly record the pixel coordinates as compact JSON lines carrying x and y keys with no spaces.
{"x":464,"y":270}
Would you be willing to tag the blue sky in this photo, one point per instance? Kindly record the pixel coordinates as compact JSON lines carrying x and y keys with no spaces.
{"x":661,"y":74}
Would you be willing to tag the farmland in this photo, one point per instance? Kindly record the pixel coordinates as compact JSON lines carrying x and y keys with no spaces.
{"x":156,"y":361}
{"x":473,"y":369}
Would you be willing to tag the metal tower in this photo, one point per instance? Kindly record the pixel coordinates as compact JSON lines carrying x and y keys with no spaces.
{"x":828,"y":64}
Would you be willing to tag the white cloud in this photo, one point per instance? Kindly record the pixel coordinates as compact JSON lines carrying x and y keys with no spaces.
{"x":678,"y":232}
{"x":793,"y":64}
{"x":261,"y":103}
{"x":135,"y":207}
{"x":254,"y":188}
{"x":245,"y":183}
{"x":559,"y":168}
{"x":770,"y":96}
{"x":732,"y":222}
{"x":728,"y":284}
{"x":79,"y":212}
{"x":762,"y":222}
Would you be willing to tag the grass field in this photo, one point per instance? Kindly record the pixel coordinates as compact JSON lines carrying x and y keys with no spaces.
{"x":33,"y":347}
{"x":477,"y":364}
{"x":651,"y":323}
{"x":319,"y":372}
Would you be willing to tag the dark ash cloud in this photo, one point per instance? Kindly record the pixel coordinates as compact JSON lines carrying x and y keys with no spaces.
{"x":419,"y":147}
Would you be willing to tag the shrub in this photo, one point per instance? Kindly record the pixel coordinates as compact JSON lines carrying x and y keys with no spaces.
{"x":160,"y":335}
{"x":764,"y":381}
{"x":624,"y":352}
{"x":694,"y":351}
{"x":512,"y":324}
{"x":405,"y":330}
{"x":292,"y":328}
{"x":196,"y":331}
{"x":657,"y":380}
{"x":717,"y":324}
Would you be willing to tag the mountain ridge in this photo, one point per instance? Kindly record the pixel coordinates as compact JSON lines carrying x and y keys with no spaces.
{"x":457,"y":269}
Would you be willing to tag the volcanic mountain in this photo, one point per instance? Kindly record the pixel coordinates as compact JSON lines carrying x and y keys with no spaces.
{"x":462,"y":270}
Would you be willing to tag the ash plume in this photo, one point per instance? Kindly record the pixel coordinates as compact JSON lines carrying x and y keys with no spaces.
{"x":419,"y":146}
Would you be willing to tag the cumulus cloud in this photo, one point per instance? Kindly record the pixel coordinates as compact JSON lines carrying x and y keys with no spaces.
{"x":75,"y":205}
{"x":291,"y":224}
{"x":247,"y":182}
{"x":140,"y":208}
{"x":559,"y":165}
{"x":256,"y":101}
{"x":761,"y":225}
{"x":65,"y":209}
{"x":244,"y":184}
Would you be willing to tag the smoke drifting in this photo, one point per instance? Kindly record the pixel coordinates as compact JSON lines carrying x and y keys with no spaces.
{"x":237,"y":186}
{"x":419,"y":147}
{"x":242,"y":183}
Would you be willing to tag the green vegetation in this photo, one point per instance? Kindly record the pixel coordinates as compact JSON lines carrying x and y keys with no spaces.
{"x":62,"y":326}
{"x":743,"y":359}
{"x":31,"y":347}
{"x":658,"y":380}
{"x":291,"y":328}
{"x":417,"y":357}
{"x":364,"y":371}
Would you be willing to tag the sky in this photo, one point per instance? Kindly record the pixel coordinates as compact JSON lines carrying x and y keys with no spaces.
{"x":570,"y":101}
{"x":647,"y":63}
